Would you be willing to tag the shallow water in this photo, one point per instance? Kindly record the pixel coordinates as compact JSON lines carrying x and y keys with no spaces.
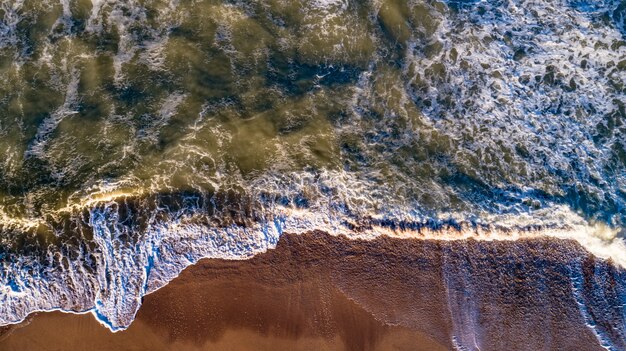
{"x":140,"y":136}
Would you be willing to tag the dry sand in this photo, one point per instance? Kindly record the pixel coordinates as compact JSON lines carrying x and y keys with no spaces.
{"x":318,"y":292}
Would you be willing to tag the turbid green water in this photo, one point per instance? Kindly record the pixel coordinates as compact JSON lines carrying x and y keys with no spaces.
{"x":139,"y":136}
{"x":168,"y":96}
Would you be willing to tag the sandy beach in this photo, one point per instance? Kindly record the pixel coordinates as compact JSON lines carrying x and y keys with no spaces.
{"x":318,"y":292}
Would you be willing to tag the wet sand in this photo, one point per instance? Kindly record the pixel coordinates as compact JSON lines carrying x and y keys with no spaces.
{"x":318,"y":292}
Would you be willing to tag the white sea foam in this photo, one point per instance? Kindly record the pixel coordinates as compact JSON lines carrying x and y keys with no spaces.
{"x":499,"y":102}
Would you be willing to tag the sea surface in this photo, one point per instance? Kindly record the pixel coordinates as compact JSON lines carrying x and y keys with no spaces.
{"x":139,"y":136}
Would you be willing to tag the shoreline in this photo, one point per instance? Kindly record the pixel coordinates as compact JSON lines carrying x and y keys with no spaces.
{"x":490,"y":293}
{"x":460,"y":233}
{"x":179,"y":239}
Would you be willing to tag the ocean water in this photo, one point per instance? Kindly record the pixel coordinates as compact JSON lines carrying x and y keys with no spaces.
{"x":139,"y":136}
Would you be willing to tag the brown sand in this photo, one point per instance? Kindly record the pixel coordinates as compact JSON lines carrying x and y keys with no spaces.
{"x":317,"y":292}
